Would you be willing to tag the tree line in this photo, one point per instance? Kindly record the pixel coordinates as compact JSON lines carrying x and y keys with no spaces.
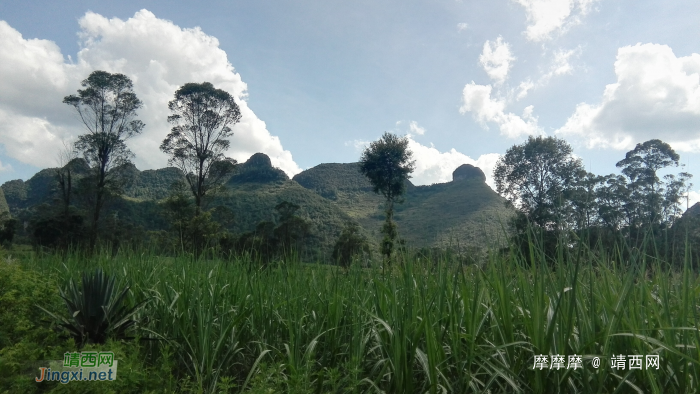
{"x":556,"y":199}
{"x":556,"y":202}
{"x":553,"y":196}
{"x":89,"y":175}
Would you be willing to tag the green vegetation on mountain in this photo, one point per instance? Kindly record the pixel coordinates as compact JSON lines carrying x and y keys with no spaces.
{"x":20,"y":194}
{"x":463,"y":212}
{"x":149,"y":184}
{"x":39,"y":188}
{"x":254,"y":202}
{"x":257,"y":169}
{"x":343,"y":184}
{"x":15,"y":192}
{"x":3,"y":203}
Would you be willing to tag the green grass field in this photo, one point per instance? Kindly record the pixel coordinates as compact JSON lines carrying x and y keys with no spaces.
{"x":229,"y":326}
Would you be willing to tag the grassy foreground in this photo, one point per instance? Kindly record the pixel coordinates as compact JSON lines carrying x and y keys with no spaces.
{"x":228,"y":326}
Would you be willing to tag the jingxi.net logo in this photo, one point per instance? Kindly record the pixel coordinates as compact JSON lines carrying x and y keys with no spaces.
{"x":85,"y":366}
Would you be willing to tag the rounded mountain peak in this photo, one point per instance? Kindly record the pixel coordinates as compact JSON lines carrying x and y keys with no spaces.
{"x":468,"y":171}
{"x":259,"y":160}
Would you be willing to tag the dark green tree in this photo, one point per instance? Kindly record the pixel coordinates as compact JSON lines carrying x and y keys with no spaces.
{"x":350,"y":244}
{"x":291,"y":230}
{"x":387,"y":164}
{"x":202,"y":117}
{"x":538,"y":177}
{"x":652,"y":201}
{"x":107,"y":107}
{"x":8,"y":227}
{"x":65,"y":177}
{"x":584,"y":201}
{"x":613,"y":197}
{"x":193,"y":233}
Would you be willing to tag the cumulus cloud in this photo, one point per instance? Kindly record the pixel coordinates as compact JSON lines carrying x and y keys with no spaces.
{"x":496,"y":59}
{"x":433,"y":166}
{"x":156,"y":54}
{"x":524,"y":88}
{"x":5,"y":167}
{"x":656,"y":95}
{"x":546,"y":17}
{"x":462,"y":26}
{"x":560,"y":65}
{"x":693,"y":198}
{"x":359,"y":145}
{"x":414,"y":128}
{"x":485,"y":109}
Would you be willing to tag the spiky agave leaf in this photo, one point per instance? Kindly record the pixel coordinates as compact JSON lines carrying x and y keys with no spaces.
{"x":97,"y":309}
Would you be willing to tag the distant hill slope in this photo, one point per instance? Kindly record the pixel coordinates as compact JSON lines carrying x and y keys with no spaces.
{"x":252,"y":192}
{"x":344,"y":185}
{"x":37,"y":189}
{"x":21,"y":195}
{"x":257,"y":187}
{"x":149,"y":184}
{"x":465,"y":211}
{"x":3,"y":203}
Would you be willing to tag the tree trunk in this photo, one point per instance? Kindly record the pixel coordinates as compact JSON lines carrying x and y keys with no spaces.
{"x":389,"y":231}
{"x":95,"y":219}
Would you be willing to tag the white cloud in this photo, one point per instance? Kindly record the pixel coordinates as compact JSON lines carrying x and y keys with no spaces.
{"x":477,"y":100}
{"x":462,"y":26}
{"x":156,"y":54}
{"x":657,"y":95}
{"x":414,"y":128}
{"x":496,"y":59}
{"x":559,"y":65}
{"x":693,"y":198}
{"x":5,"y":167}
{"x":359,"y":145}
{"x":524,"y":88}
{"x":548,"y":16}
{"x":433,"y":166}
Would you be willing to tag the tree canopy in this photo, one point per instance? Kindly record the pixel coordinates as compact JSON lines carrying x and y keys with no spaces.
{"x":651,"y":200}
{"x":202,"y":117}
{"x":387,"y":164}
{"x":108,"y":109}
{"x":536,"y":176}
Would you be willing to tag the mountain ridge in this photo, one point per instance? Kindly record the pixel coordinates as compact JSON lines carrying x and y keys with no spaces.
{"x":464,"y":211}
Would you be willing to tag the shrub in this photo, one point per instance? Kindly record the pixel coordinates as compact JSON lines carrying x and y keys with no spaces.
{"x":97,"y":310}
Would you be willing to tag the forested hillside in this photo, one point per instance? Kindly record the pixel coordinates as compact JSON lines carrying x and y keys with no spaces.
{"x":464,"y":211}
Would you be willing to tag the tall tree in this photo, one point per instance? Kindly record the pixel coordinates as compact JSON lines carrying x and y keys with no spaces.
{"x":651,"y":200}
{"x":612,"y":197}
{"x":538,"y":178}
{"x":584,"y":202}
{"x":202,"y":117}
{"x":65,"y":176}
{"x":387,"y":164}
{"x":107,"y":107}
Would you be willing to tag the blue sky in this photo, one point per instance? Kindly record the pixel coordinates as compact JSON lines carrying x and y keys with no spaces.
{"x":318,"y":80}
